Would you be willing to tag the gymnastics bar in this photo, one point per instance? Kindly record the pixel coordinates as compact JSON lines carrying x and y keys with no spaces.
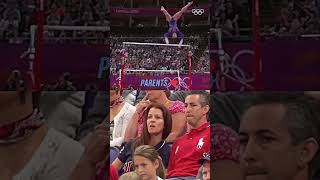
{"x":154,"y":44}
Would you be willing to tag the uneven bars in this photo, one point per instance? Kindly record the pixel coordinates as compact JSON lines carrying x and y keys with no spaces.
{"x":155,"y":44}
{"x":76,"y":28}
{"x":310,"y":35}
{"x":142,"y":70}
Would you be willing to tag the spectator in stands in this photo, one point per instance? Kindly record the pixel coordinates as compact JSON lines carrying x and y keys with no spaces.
{"x":148,"y":164}
{"x":14,"y":81}
{"x":3,"y":22}
{"x":295,"y":25}
{"x":298,"y":17}
{"x":232,"y":16}
{"x":121,"y":113}
{"x":279,"y":135}
{"x":188,"y":149}
{"x":176,"y":108}
{"x":53,"y":19}
{"x":102,"y":20}
{"x":67,"y":20}
{"x":87,"y":19}
{"x":205,"y":168}
{"x":64,"y":83}
{"x":12,"y":19}
{"x":225,"y":16}
{"x":157,"y":126}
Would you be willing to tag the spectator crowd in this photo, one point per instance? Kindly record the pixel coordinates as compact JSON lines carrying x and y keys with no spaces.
{"x":280,"y":18}
{"x":65,"y":82}
{"x":17,"y":16}
{"x":143,"y":57}
{"x":225,"y":15}
{"x":168,"y":132}
{"x":299,"y":17}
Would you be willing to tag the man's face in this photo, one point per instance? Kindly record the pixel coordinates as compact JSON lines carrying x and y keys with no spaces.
{"x":206,"y":170}
{"x":265,"y":144}
{"x":194,"y":110}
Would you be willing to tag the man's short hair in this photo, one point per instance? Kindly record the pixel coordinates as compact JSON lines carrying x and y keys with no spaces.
{"x":302,"y":114}
{"x":204,"y":97}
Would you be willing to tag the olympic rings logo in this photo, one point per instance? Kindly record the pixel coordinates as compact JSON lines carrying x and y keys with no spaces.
{"x":230,"y":68}
{"x":178,"y":83}
{"x":197,"y":12}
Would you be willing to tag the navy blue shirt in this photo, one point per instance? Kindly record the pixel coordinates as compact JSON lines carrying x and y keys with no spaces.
{"x":125,"y":155}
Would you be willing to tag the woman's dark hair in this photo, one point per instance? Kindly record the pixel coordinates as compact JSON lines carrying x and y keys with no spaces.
{"x":167,"y":118}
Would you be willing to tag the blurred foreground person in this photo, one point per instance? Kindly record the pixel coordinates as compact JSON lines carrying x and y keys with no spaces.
{"x":29,"y":149}
{"x":279,"y":136}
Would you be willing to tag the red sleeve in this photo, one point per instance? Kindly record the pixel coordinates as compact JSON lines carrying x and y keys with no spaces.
{"x":208,"y":147}
{"x":171,"y":158}
{"x":113,"y":173}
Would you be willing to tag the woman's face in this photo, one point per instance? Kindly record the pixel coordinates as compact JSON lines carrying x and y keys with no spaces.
{"x":155,"y":121}
{"x":145,"y":168}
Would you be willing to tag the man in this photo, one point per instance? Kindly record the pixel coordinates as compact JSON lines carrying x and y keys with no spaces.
{"x":205,"y":163}
{"x":279,"y":136}
{"x":189,"y":148}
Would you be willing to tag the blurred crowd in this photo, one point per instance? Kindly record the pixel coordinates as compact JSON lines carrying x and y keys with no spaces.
{"x":65,"y":82}
{"x":141,"y":57}
{"x":281,"y":18}
{"x":297,"y":17}
{"x":17,"y":16}
{"x":225,"y":15}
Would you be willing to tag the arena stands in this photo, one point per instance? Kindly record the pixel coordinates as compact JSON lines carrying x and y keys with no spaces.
{"x":17,"y":16}
{"x":158,"y":57}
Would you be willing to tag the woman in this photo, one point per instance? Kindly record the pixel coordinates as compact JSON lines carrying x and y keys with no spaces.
{"x":120,"y":114}
{"x":157,"y":126}
{"x":177,"y":109}
{"x":174,"y":31}
{"x":29,"y":148}
{"x":148,"y":163}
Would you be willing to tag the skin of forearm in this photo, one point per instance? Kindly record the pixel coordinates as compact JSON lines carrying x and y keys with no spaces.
{"x":131,"y":131}
{"x":85,"y":170}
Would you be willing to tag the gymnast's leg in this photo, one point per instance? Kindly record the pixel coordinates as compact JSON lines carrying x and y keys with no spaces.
{"x":165,"y":12}
{"x":178,"y":15}
{"x":166,"y":37}
{"x":181,"y":36}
